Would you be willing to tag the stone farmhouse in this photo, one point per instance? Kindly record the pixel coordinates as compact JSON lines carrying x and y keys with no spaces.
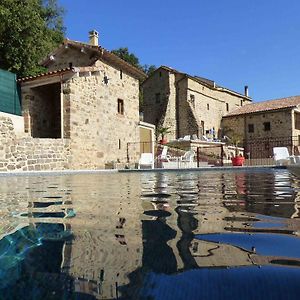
{"x":89,"y":96}
{"x":264,"y":125}
{"x":85,"y":108}
{"x":188,"y":105}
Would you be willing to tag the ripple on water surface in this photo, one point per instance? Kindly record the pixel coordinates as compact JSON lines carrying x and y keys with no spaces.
{"x":164,"y":235}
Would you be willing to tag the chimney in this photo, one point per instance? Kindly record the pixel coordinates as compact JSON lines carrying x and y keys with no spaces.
{"x":94,"y":37}
{"x":246,"y":91}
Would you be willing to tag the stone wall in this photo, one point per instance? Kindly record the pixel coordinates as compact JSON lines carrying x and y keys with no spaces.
{"x":281,"y":124}
{"x":29,"y":154}
{"x":69,"y":57}
{"x":187,"y":103}
{"x":43,"y":105}
{"x":259,"y":141}
{"x":160,"y":100}
{"x":98,"y":132}
{"x":211,"y":104}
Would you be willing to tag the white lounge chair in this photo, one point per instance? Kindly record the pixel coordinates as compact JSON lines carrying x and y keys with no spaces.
{"x":146,"y":161}
{"x":188,"y":158}
{"x":164,"y":155}
{"x":281,"y":155}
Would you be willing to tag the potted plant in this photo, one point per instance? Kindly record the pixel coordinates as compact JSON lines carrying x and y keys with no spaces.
{"x":237,"y":160}
{"x":162,"y":131}
{"x":235,"y":140}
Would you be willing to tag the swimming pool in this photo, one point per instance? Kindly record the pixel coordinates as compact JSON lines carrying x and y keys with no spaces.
{"x":151,"y":235}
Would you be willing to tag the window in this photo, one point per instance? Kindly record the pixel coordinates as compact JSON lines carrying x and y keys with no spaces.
{"x":227,"y":107}
{"x":242,"y":102}
{"x":121,"y":74}
{"x":250,"y":128}
{"x":159,"y":74}
{"x":192,"y":100}
{"x":267,"y":126}
{"x":157,"y":98}
{"x":119,"y":144}
{"x":120,"y":107}
{"x":202,"y":128}
{"x":207,"y":106}
{"x":297,"y":121}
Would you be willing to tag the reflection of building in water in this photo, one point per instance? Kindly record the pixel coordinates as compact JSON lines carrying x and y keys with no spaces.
{"x":209,"y":254}
{"x":104,"y":220}
{"x":119,"y":236}
{"x":220,"y":203}
{"x":107,"y":243}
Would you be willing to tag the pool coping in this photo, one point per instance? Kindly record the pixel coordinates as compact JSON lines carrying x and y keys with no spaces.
{"x":56,"y":172}
{"x":102,"y":171}
{"x":227,"y":168}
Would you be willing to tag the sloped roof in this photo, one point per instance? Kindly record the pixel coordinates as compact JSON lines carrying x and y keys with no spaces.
{"x":270,"y":105}
{"x":60,"y":72}
{"x":99,"y":52}
{"x":207,"y":82}
{"x":47,"y":74}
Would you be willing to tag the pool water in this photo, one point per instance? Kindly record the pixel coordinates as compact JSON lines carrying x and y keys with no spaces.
{"x":152,"y":235}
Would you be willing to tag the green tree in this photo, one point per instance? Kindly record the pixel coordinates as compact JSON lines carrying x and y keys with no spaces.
{"x":29,"y":30}
{"x":133,"y":60}
{"x":149,"y":69}
{"x":127,"y":56}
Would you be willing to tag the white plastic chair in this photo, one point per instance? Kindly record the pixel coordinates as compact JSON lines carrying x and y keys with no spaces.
{"x":146,"y":160}
{"x":186,"y":138}
{"x":188,"y":158}
{"x":281,"y":155}
{"x":164,"y":155}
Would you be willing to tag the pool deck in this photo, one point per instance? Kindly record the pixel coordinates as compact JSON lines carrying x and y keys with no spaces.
{"x":102,"y":171}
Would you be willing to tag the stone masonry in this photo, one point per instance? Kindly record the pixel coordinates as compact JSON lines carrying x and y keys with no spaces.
{"x":29,"y":154}
{"x":90,"y":98}
{"x":187,"y":105}
{"x":98,"y":133}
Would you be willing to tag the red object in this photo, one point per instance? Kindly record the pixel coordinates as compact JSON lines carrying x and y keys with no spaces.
{"x":163,"y":141}
{"x":238,"y":160}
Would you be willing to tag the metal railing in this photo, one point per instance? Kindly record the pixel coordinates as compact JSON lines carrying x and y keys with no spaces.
{"x":257,"y":152}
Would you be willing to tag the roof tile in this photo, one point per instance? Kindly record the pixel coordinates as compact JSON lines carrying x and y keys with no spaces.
{"x":269,"y":105}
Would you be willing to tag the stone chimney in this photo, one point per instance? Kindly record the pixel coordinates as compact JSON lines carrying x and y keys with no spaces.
{"x":246,"y":91}
{"x":94,"y":37}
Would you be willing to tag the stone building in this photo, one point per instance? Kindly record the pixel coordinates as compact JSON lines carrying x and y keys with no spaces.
{"x":89,"y":99}
{"x":187,"y":104}
{"x":266,"y":124}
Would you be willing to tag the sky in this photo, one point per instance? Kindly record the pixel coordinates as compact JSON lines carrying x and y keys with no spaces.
{"x":233,"y":42}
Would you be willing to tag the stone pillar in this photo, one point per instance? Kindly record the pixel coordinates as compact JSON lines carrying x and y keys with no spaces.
{"x":27,"y":122}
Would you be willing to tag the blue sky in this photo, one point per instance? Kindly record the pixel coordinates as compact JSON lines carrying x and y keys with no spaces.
{"x":234,"y":42}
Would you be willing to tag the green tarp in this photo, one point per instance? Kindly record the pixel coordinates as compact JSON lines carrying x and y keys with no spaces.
{"x":10,"y":99}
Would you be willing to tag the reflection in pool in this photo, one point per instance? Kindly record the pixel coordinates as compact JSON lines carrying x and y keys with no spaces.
{"x":164,"y":235}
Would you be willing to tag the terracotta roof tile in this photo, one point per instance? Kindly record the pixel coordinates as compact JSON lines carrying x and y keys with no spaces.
{"x":47,"y":74}
{"x":269,"y":105}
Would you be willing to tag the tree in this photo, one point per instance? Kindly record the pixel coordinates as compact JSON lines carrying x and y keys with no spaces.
{"x":149,"y":69}
{"x":29,"y":30}
{"x":133,"y":60}
{"x":129,"y":57}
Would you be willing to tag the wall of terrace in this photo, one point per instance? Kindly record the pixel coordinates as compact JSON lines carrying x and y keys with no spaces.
{"x":29,"y":154}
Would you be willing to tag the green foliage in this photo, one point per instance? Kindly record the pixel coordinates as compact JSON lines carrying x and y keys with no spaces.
{"x":233,"y":138}
{"x":127,"y":56}
{"x":29,"y":30}
{"x":149,"y":69}
{"x":163,"y":131}
{"x":133,"y":60}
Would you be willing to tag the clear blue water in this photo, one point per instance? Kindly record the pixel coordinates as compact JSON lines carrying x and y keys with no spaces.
{"x":187,"y":235}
